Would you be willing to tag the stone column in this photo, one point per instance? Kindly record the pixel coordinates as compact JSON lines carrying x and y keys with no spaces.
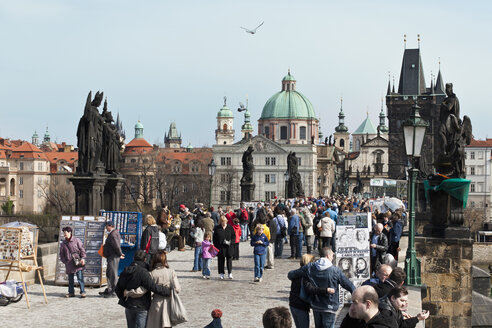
{"x":89,"y":191}
{"x":446,"y":271}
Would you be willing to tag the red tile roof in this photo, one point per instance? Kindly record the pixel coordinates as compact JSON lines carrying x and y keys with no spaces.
{"x":138,"y":146}
{"x":27,"y":150}
{"x":481,"y":143}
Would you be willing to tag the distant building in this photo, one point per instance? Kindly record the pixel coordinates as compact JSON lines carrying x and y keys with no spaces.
{"x":34,"y":179}
{"x":478,"y":158}
{"x":164,"y":176}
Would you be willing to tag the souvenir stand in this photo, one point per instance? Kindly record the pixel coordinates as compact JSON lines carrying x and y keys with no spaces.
{"x":19,"y":244}
{"x":91,"y":232}
{"x":129,"y":225}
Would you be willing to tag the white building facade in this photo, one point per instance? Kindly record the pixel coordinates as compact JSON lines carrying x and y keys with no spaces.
{"x":478,"y":169}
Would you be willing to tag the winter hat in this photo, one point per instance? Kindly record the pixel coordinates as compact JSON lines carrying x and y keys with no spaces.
{"x":182,"y":206}
{"x":216,"y":313}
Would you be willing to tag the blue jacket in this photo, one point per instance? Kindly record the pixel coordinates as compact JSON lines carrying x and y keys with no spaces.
{"x":396,"y":231}
{"x":259,"y":249}
{"x":294,"y":222}
{"x":333,"y":214}
{"x":324,"y":274}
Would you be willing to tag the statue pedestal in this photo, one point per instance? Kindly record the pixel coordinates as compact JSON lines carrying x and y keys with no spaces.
{"x":446,"y":272}
{"x":247,"y":192}
{"x":96,"y":192}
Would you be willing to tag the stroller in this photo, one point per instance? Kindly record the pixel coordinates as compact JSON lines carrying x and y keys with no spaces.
{"x":11,"y":291}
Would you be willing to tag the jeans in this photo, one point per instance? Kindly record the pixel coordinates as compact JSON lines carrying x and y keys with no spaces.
{"x":206,"y":267}
{"x":308,"y":244}
{"x":301,"y":317}
{"x":279,"y":246}
{"x":324,"y":319}
{"x":259,"y":265}
{"x":197,"y":265}
{"x":80,"y":279}
{"x":244,"y":231}
{"x":299,"y":243}
{"x":294,"y":244}
{"x":136,"y":318}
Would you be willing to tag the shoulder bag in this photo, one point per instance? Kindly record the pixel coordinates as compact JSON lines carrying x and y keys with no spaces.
{"x":177,"y":314}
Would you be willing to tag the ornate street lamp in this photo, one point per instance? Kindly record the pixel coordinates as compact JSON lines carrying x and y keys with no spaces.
{"x":413,"y":132}
{"x":211,"y":171}
{"x":286,"y":179}
{"x":319,"y":185}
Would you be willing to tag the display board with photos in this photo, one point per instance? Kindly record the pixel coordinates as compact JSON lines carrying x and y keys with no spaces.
{"x":15,"y":243}
{"x":352,"y":249}
{"x":91,"y":232}
{"x":129,"y":225}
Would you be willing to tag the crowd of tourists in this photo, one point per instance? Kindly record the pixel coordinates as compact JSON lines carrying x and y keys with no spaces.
{"x":309,"y":225}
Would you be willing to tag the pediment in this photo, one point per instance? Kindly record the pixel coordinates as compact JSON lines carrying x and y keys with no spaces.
{"x":376,"y":142}
{"x":262,"y":145}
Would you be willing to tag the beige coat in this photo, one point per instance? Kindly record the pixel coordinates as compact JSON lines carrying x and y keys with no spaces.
{"x":158,"y":315}
{"x":328,"y":226}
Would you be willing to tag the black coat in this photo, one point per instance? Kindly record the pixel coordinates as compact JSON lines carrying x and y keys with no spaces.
{"x":272,"y":225}
{"x":386,"y":306}
{"x":133,"y":276}
{"x":222,"y":235}
{"x":381,"y":247}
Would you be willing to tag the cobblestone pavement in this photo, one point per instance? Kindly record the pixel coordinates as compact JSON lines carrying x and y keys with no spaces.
{"x":241,"y":300}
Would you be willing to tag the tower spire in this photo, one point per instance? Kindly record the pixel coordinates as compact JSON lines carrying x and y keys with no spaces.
{"x":341,"y":119}
{"x":418,"y":39}
{"x":404,"y":41}
{"x":389,"y":83}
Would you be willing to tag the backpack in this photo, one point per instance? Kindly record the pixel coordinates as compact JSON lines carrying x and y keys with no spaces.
{"x":243,"y":218}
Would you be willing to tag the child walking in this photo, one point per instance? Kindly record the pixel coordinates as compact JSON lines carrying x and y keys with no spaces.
{"x":260,"y":243}
{"x":206,"y":255}
{"x":237,"y":231}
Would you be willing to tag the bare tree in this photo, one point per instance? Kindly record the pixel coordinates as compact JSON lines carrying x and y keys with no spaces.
{"x":59,"y":195}
{"x":226,"y":183}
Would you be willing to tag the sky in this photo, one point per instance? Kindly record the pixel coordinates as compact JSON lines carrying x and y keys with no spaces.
{"x":160,"y":61}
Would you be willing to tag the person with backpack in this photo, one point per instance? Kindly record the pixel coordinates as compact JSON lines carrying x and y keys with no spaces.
{"x":150,"y":237}
{"x":244,"y":222}
{"x":280,"y":233}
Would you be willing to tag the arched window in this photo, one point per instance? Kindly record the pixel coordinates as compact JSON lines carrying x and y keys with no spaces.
{"x":224,"y":127}
{"x":342,"y":143}
{"x":357,"y":145}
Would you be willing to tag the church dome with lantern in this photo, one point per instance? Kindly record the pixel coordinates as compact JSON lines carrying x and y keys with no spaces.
{"x":288,"y":116}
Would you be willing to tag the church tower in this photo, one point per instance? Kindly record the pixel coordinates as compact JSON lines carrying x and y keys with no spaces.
{"x":399,"y":104}
{"x":172,"y":139}
{"x":341,"y":135}
{"x":35,"y":139}
{"x":383,"y":129}
{"x":224,"y":134}
{"x":139,"y":130}
{"x":47,"y":138}
{"x":247,"y":128}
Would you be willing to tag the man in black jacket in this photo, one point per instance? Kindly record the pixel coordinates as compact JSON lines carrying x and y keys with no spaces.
{"x":396,"y":279}
{"x":134,"y":276}
{"x":396,"y":302}
{"x":112,"y":252}
{"x":379,"y":246}
{"x":364,"y":311}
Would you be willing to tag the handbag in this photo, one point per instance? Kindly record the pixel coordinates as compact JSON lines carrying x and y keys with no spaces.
{"x":177,"y":314}
{"x":148,"y":245}
{"x":101,"y":250}
{"x":213,"y":251}
{"x":77,"y":260}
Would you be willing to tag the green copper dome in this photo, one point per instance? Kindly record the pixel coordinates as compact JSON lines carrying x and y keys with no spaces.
{"x":288,"y":103}
{"x":224,"y":112}
{"x":366,"y":127}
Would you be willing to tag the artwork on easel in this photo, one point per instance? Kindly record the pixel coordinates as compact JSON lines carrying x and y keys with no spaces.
{"x":9,"y":244}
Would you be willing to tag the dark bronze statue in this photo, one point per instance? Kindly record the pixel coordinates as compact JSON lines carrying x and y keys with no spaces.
{"x":454,"y":135}
{"x":248,"y":166}
{"x":359,"y":185}
{"x":98,"y":141}
{"x":294,"y":184}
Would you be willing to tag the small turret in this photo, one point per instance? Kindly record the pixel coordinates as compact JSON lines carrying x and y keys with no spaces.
{"x":139,"y":130}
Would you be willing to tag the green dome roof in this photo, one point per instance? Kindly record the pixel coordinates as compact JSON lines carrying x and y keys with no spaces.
{"x":366,"y":127}
{"x":224,"y":112}
{"x":288,"y":77}
{"x":288,"y":104}
{"x":138,"y":125}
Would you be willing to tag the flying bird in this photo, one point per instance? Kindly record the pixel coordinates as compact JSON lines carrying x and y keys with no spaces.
{"x":253,"y":31}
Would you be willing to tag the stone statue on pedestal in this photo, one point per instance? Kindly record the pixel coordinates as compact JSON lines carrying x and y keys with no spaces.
{"x":247,"y":185}
{"x":295,"y":183}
